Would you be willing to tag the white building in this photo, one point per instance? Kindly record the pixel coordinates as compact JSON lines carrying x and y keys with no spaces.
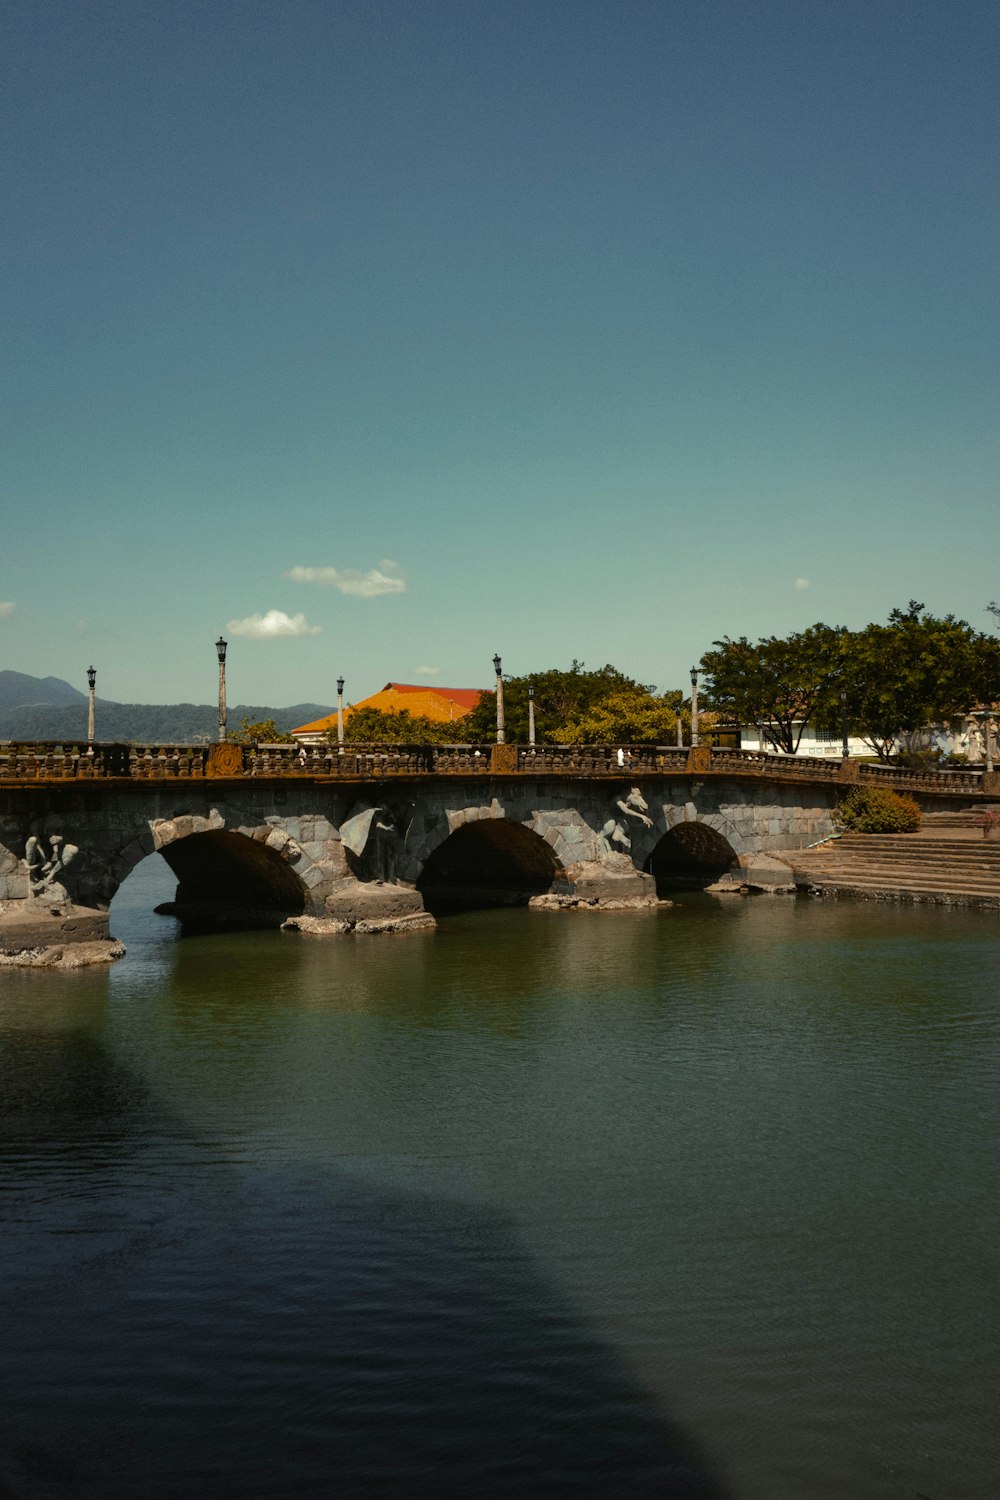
{"x":813,"y":743}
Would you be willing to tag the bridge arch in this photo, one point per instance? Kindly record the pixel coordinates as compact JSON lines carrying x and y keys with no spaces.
{"x":228,"y":879}
{"x":489,"y":861}
{"x":225,"y":877}
{"x":736,"y":826}
{"x":691,"y":853}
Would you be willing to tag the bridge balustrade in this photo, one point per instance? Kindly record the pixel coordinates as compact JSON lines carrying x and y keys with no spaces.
{"x":900,"y":779}
{"x":775,"y":767}
{"x":165,"y":762}
{"x":33,"y":761}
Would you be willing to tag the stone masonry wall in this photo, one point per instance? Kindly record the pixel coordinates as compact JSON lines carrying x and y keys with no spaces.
{"x":601,"y":833}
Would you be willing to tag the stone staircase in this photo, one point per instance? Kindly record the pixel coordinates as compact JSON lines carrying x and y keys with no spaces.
{"x":948,"y":861}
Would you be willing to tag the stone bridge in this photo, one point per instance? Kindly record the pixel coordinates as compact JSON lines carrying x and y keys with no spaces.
{"x":385,"y":838}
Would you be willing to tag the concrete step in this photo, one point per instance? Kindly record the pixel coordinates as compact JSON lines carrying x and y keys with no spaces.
{"x":965,"y":855}
{"x":926,"y":872}
{"x":944,"y":868}
{"x":883,"y":876}
{"x":943,"y":851}
{"x":901,"y":861}
{"x":904,"y":867}
{"x":913,"y":840}
{"x":963,"y":819}
{"x":850,"y":880}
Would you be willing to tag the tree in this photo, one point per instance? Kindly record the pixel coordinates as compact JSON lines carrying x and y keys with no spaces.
{"x":777,"y":682}
{"x":631,"y":716}
{"x":576,"y":706}
{"x":374,"y":726}
{"x":914,"y":671}
{"x":259,"y":731}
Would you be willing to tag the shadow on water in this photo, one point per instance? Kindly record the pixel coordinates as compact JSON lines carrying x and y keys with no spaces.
{"x":174,"y":1326}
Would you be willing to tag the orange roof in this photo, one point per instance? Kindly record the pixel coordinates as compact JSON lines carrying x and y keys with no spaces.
{"x":466,"y":697}
{"x":442,"y":705}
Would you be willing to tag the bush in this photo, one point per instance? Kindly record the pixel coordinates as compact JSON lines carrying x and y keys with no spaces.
{"x":875,"y":809}
{"x":917,"y":760}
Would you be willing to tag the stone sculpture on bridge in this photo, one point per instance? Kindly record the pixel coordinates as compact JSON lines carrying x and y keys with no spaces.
{"x":616,"y":831}
{"x":47,"y":867}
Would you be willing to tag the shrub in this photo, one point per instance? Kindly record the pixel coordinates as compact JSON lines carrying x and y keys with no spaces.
{"x":875,"y":809}
{"x":917,"y":760}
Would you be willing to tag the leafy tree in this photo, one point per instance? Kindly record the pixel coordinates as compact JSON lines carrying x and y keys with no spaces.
{"x":576,"y":706}
{"x":375,"y":726}
{"x":632,"y":716}
{"x":916,"y":670}
{"x":259,"y":731}
{"x":777,"y":682}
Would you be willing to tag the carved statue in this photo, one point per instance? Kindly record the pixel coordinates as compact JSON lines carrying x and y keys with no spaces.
{"x":616,"y":829}
{"x":371,"y":835}
{"x":47,"y":866}
{"x":974,"y":743}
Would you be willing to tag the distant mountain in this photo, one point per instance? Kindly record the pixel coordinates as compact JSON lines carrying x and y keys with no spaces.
{"x":17,"y":688}
{"x":46,"y":708}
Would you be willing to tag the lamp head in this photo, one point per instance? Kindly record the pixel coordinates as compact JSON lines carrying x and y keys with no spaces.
{"x":496,"y":665}
{"x":220,"y":647}
{"x":340,"y":687}
{"x":91,"y":676}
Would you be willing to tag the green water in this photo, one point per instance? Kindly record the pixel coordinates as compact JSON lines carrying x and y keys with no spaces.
{"x":701,"y":1202}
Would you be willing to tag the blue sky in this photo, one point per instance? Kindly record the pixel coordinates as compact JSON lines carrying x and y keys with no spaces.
{"x":384,"y":336}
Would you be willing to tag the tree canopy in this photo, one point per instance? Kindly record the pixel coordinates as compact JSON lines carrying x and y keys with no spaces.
{"x":884,"y":680}
{"x":375,"y":726}
{"x":918,"y":669}
{"x":259,"y":732}
{"x":778,"y":682}
{"x":577,"y":706}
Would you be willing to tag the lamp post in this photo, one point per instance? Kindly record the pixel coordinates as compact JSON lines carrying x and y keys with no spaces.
{"x":220,"y":647}
{"x":760,"y":736}
{"x":500,"y":723}
{"x":845,"y":748}
{"x":92,"y":681}
{"x":340,"y":710}
{"x":694,"y":706}
{"x":531,"y":713}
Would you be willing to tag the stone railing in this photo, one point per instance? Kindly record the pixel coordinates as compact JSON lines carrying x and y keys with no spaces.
{"x":774,"y":767}
{"x":156,"y":762}
{"x":334,"y":760}
{"x":901,"y":780}
{"x":76,"y":761}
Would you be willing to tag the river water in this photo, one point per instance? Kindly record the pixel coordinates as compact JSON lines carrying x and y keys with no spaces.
{"x":701,"y":1202}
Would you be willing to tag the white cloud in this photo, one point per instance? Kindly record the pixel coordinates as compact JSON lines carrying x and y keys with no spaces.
{"x":428,"y":671}
{"x":801,"y":583}
{"x":385,"y":579}
{"x":6,"y":609}
{"x":268,"y":627}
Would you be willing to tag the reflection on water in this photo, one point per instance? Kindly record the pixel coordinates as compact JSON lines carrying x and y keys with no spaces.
{"x":175,"y":1326}
{"x":701,"y":1202}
